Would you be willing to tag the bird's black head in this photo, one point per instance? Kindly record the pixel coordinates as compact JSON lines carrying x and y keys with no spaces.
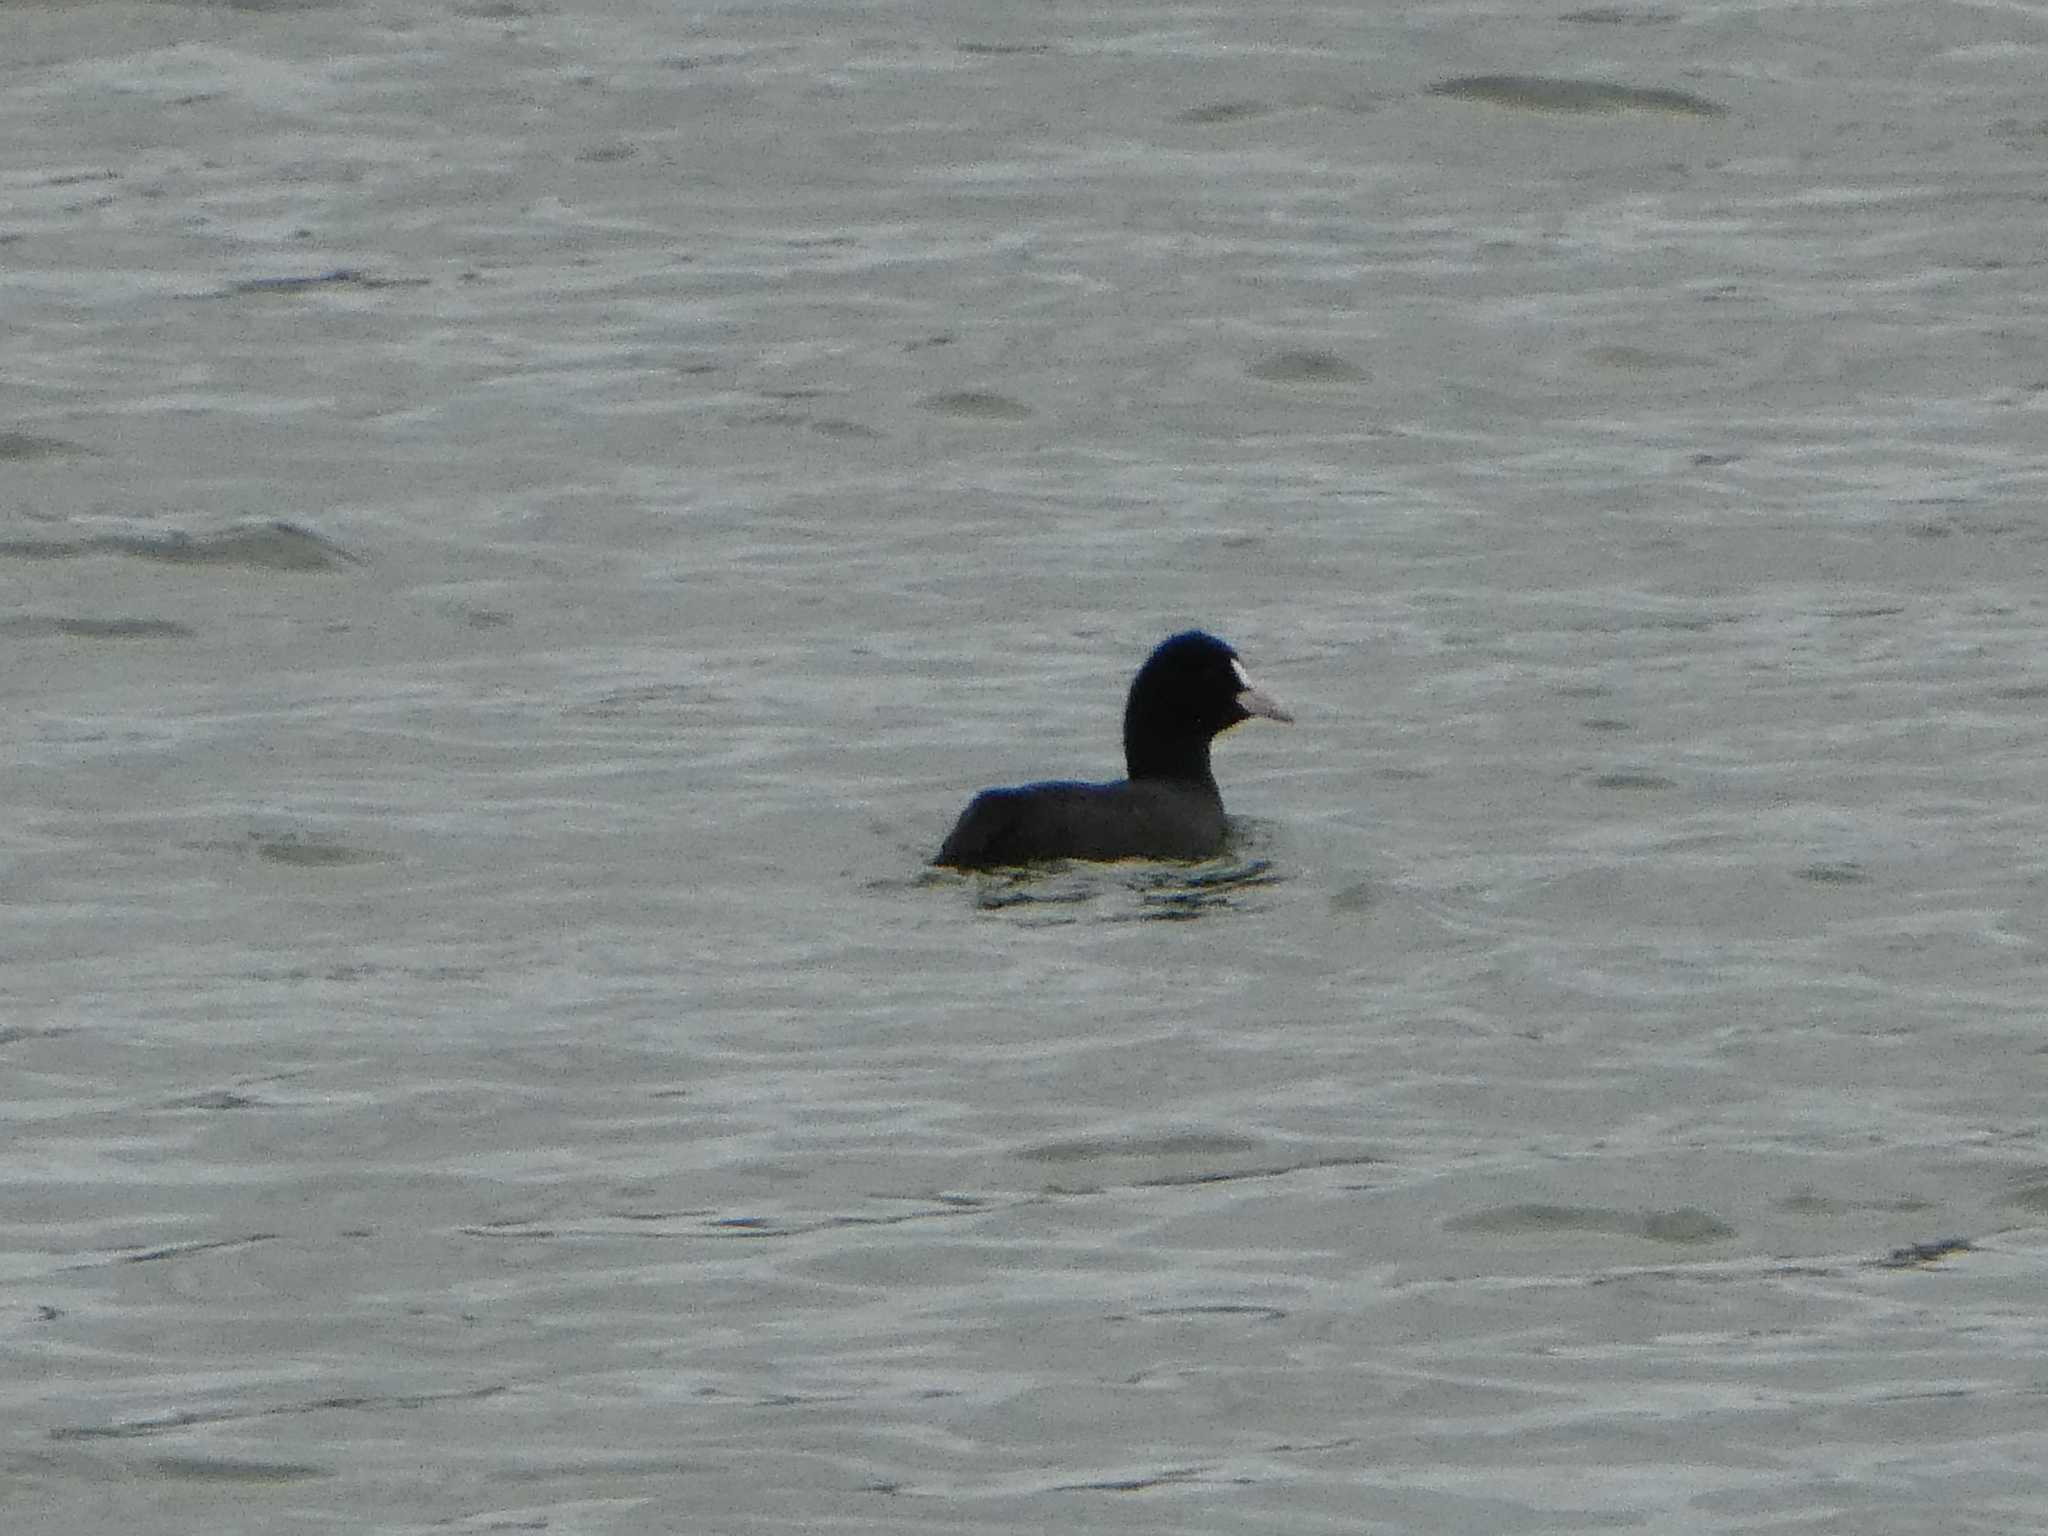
{"x":1190,"y":688}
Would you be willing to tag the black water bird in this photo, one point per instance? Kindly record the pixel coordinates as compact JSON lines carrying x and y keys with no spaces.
{"x":1190,"y":689}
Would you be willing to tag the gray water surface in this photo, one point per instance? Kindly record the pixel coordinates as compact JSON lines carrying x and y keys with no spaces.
{"x":523,"y":524}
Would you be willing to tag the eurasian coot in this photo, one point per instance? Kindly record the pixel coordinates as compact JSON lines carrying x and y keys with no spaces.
{"x":1189,"y":689}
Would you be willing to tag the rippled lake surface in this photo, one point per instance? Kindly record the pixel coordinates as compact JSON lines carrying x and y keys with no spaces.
{"x":523,"y":523}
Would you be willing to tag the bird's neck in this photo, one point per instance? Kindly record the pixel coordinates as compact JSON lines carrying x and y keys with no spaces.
{"x":1184,"y":761}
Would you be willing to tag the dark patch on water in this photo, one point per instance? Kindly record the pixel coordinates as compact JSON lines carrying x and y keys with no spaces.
{"x":216,"y":1099}
{"x":234,"y":1469}
{"x":135,"y":1429}
{"x":1219,"y":112}
{"x":289,"y":285}
{"x":187,"y":1250}
{"x":276,"y":546}
{"x":1842,"y":872}
{"x":312,"y":852}
{"x":1619,"y":16}
{"x":34,"y":626}
{"x":1921,"y":1255}
{"x":669,"y":701}
{"x":1306,"y":366}
{"x":1630,"y":779}
{"x":1138,"y":1482}
{"x":1241,"y":1309}
{"x":1169,"y":1144}
{"x":1686,"y":1224}
{"x":33,"y":445}
{"x":1359,"y":896}
{"x":977,"y":405}
{"x":1543,"y":93}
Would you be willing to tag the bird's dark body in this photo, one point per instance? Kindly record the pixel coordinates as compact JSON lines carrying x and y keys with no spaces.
{"x":1145,"y":819}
